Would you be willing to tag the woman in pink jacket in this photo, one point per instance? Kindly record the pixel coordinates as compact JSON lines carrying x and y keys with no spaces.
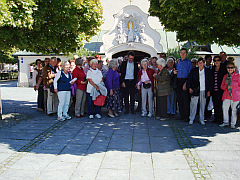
{"x":231,"y":95}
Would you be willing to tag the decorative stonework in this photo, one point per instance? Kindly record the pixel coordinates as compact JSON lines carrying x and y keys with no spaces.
{"x":132,"y":30}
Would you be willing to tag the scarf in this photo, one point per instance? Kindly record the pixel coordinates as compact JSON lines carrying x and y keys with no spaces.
{"x":229,"y":77}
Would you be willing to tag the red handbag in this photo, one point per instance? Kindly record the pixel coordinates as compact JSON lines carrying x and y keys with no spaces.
{"x":100,"y":100}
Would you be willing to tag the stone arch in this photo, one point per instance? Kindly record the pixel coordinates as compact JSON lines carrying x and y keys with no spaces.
{"x":148,"y":50}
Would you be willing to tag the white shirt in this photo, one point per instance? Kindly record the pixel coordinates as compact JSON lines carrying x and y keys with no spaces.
{"x":34,"y":76}
{"x":202,"y":79}
{"x":96,"y":77}
{"x":57,"y":77}
{"x":129,"y":70}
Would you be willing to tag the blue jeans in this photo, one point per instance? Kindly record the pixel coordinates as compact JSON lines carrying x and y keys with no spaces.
{"x":90,"y":105}
{"x":171,"y":103}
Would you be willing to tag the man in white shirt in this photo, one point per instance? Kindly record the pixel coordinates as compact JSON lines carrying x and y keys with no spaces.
{"x":129,"y":70}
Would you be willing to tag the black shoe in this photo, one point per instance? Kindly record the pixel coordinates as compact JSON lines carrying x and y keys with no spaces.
{"x":51,"y":114}
{"x":126,"y":112}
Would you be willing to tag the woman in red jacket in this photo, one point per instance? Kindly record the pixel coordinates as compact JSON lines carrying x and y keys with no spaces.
{"x":145,"y":82}
{"x":79,"y":74}
{"x":231,"y":95}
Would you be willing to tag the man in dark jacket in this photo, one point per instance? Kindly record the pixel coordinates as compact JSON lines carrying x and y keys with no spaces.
{"x":129,"y":72}
{"x":200,"y":85}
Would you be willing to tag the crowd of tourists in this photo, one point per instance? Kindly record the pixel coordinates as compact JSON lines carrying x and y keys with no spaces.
{"x":162,"y":87}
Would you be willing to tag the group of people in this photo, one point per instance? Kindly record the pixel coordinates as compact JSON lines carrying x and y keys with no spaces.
{"x":177,"y":84}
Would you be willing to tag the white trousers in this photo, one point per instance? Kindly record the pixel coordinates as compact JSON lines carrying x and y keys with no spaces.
{"x":193,"y":106}
{"x":52,"y":102}
{"x":226,"y":104}
{"x":64,"y":100}
{"x":147,"y":92}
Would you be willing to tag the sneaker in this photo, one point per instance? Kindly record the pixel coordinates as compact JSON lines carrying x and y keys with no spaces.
{"x":233,"y":126}
{"x":67,"y":117}
{"x":98,"y":116}
{"x":61,"y":119}
{"x":91,"y":116}
{"x":143,"y":115}
{"x":202,"y":122}
{"x":149,"y":115}
{"x":190,"y":122}
{"x":223,"y":124}
{"x":157,"y":117}
{"x":116,"y":114}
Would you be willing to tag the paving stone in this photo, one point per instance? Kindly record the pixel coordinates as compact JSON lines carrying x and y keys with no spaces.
{"x":116,"y":174}
{"x":128,"y":147}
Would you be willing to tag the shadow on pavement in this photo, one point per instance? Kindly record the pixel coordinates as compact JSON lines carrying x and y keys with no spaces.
{"x":39,"y":133}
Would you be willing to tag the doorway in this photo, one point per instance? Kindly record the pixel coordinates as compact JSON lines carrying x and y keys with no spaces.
{"x":139,"y":55}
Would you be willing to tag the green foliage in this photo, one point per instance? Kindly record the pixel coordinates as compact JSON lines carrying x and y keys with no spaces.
{"x":6,"y":56}
{"x":59,"y":26}
{"x":82,"y":52}
{"x":176,"y":53}
{"x":16,"y":13}
{"x":203,"y":21}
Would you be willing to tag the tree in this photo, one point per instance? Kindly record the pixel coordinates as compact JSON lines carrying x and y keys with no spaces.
{"x":17,"y":13}
{"x":203,"y":21}
{"x":59,"y":26}
{"x":176,"y":53}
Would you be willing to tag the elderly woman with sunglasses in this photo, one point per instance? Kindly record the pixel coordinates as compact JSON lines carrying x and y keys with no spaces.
{"x":218,"y":73}
{"x":231,"y":95}
{"x":146,"y":83}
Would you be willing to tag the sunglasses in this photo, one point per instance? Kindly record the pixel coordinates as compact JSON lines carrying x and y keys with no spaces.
{"x":230,"y":67}
{"x":216,"y":60}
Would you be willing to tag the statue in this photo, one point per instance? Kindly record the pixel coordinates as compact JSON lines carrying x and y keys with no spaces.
{"x":130,"y":33}
{"x":136,"y":39}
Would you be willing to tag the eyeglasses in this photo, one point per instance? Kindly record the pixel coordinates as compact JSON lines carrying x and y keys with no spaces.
{"x":216,"y":60}
{"x":230,"y":67}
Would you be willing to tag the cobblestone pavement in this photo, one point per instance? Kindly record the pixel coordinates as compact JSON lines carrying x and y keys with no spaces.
{"x":36,"y":146}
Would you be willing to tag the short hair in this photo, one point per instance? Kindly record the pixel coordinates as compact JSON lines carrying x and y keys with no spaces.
{"x":113,"y":63}
{"x":38,"y":61}
{"x":154,"y":58}
{"x":93,"y":61}
{"x":161,"y":62}
{"x":53,"y":58}
{"x":64,"y":63}
{"x":207,"y":56}
{"x":184,"y":49}
{"x":216,"y":57}
{"x":170,"y":59}
{"x":231,"y":63}
{"x":59,"y":60}
{"x":231,"y":59}
{"x":100,"y":61}
{"x":144,"y":60}
{"x":131,"y":53}
{"x":120,"y":59}
{"x":47,"y":59}
{"x":201,"y":59}
{"x":163,"y":53}
{"x":222,"y":53}
{"x":79,"y":62}
{"x":194,"y":59}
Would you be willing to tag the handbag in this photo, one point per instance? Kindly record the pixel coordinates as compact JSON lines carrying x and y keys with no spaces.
{"x":100,"y":100}
{"x":146,"y":86}
{"x":210,"y":104}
